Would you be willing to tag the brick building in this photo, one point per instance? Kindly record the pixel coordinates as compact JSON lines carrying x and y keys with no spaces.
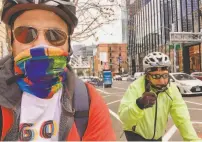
{"x":111,"y":57}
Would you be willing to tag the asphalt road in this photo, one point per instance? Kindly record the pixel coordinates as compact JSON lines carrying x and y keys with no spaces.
{"x":112,"y":97}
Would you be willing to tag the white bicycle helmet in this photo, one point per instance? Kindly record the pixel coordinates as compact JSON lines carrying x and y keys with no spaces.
{"x":156,"y":59}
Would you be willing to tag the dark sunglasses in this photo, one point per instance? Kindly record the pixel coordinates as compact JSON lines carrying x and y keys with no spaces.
{"x":26,"y":35}
{"x":158,"y":76}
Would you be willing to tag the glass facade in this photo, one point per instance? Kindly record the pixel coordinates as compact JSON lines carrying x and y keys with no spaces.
{"x":150,"y":24}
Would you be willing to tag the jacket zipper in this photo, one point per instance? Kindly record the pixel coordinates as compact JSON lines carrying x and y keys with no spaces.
{"x":155,"y":119}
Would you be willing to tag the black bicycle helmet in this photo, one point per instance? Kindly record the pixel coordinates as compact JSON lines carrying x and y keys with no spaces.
{"x":63,"y":8}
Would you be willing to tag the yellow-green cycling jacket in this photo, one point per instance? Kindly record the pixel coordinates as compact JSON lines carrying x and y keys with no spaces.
{"x":151,"y":123}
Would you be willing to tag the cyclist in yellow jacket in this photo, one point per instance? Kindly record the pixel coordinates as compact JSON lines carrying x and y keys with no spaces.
{"x":149,"y":100}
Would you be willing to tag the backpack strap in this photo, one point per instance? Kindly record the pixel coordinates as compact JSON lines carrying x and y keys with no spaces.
{"x":81,"y":103}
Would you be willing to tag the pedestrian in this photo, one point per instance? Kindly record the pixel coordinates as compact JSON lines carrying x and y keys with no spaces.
{"x":146,"y":105}
{"x":40,"y":97}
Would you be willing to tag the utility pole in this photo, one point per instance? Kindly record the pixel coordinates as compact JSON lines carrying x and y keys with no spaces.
{"x":119,"y":59}
{"x":175,"y":52}
{"x":119,"y":64}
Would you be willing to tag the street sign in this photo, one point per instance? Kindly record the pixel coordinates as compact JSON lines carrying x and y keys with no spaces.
{"x":185,"y":37}
{"x":171,"y":46}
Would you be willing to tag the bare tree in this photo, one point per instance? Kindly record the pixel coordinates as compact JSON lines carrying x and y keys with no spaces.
{"x":93,"y":14}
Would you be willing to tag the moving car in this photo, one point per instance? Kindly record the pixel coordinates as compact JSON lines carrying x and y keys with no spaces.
{"x":187,"y":84}
{"x":197,"y":75}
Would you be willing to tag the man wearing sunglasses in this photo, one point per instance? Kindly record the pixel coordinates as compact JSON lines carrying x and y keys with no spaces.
{"x":40,"y":97}
{"x":146,"y":105}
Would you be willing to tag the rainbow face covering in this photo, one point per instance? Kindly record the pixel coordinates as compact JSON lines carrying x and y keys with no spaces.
{"x":44,"y":69}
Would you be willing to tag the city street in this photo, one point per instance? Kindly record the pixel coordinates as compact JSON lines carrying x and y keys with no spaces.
{"x":112,"y":97}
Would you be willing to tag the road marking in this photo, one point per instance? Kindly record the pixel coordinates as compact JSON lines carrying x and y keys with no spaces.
{"x":194,"y":108}
{"x":108,"y":93}
{"x":115,"y":115}
{"x":114,"y":102}
{"x":194,"y":103}
{"x":112,"y":95}
{"x":103,"y":91}
{"x":121,"y":94}
{"x":118,"y":95}
{"x":106,"y":96}
{"x":170,"y":133}
{"x":119,"y":88}
{"x":196,"y":122}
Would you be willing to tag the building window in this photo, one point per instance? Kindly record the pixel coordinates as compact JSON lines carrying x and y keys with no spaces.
{"x":110,"y":49}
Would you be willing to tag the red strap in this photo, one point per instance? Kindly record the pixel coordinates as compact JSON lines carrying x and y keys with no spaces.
{"x":73,"y":134}
{"x":99,"y":122}
{"x":8,"y":121}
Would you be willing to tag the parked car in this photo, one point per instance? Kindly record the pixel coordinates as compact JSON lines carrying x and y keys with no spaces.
{"x":130,"y":78}
{"x":92,"y":81}
{"x":85,"y":78}
{"x":124,"y":77}
{"x":187,"y":84}
{"x":138,"y":74}
{"x":117,"y":77}
{"x":96,"y":82}
{"x":197,"y":75}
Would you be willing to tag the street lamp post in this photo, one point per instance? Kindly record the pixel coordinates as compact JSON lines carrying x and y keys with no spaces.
{"x":175,"y":57}
{"x":119,"y":60}
{"x":119,"y":66}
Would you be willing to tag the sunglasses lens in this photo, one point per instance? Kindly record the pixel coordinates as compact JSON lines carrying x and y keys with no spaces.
{"x":154,"y":76}
{"x":165,"y":76}
{"x":25,"y":34}
{"x":158,"y":76}
{"x":56,"y":37}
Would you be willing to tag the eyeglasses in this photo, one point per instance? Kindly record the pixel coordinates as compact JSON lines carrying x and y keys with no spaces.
{"x":26,"y":35}
{"x":158,"y":76}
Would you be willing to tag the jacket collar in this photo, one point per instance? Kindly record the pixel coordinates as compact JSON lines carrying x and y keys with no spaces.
{"x":10,"y":95}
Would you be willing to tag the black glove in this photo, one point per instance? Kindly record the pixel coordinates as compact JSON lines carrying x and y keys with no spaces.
{"x":147,"y":100}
